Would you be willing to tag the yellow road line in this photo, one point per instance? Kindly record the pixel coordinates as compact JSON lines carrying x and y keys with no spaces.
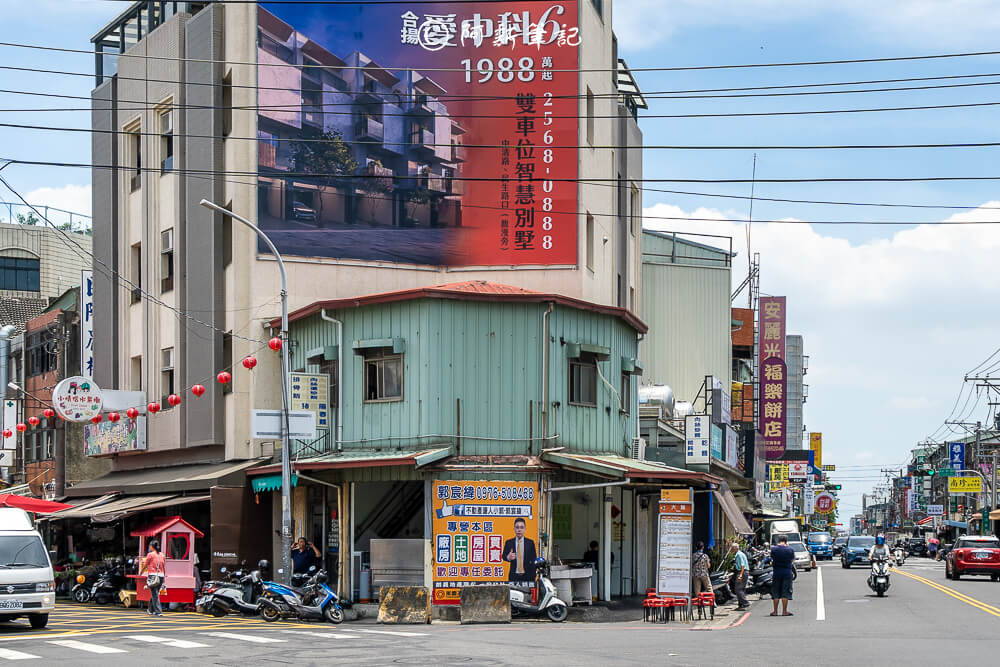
{"x":961,"y":597}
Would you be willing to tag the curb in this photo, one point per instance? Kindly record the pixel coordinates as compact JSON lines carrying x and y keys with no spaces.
{"x":736,"y":623}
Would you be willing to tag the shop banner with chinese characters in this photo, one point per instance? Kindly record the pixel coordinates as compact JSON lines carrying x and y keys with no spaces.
{"x":773,"y":375}
{"x":698,"y":436}
{"x":816,"y":445}
{"x":484,"y":532}
{"x":430,"y":133}
{"x":674,"y":535}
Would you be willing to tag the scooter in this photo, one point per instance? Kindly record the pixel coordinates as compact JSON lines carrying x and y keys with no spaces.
{"x":105,"y":590}
{"x":761,"y":577}
{"x":720,"y":586}
{"x":878,"y":580}
{"x":315,"y":600}
{"x":899,"y":555}
{"x":241,"y":593}
{"x":523,"y":603}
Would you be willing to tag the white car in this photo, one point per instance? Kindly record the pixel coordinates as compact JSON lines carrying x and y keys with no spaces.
{"x":27,"y":587}
{"x":803,"y":559}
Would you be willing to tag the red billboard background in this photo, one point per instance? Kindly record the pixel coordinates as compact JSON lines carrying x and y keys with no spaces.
{"x":453,"y":129}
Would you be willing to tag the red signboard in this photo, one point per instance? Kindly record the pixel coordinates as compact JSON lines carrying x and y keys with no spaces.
{"x":773,"y":375}
{"x":441,"y":133}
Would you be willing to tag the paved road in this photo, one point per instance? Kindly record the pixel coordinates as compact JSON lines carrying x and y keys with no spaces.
{"x":924,"y":620}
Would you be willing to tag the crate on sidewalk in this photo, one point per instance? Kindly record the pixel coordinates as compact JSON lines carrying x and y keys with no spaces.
{"x":128,"y":598}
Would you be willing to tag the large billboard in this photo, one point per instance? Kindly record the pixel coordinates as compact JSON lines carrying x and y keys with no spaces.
{"x":442,"y":133}
{"x":484,"y":532}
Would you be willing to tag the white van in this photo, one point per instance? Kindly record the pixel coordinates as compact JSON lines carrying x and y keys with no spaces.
{"x":27,"y":587}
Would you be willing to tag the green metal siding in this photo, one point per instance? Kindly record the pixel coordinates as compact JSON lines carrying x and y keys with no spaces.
{"x":482,"y":361}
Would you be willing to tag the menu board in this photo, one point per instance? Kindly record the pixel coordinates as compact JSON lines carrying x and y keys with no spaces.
{"x":673,"y":563}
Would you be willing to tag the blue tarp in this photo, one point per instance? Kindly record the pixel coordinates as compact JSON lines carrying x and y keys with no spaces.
{"x":955,"y":524}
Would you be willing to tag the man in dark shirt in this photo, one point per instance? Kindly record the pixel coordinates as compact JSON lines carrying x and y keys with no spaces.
{"x":304,"y":556}
{"x":782,"y":561}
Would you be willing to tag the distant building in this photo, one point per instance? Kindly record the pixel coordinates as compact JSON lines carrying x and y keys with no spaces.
{"x":39,"y":262}
{"x":797,"y":392}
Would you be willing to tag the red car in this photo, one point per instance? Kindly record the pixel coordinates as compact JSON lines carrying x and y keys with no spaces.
{"x":973,"y":555}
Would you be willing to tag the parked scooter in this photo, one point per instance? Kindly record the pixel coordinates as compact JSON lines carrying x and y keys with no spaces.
{"x":103,"y":586}
{"x":315,"y":600}
{"x":878,"y":580}
{"x":761,"y":575}
{"x":523,"y":603}
{"x":240,"y":593}
{"x":899,"y":555}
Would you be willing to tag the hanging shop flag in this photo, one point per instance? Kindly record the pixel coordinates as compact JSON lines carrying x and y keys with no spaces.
{"x":484,"y":532}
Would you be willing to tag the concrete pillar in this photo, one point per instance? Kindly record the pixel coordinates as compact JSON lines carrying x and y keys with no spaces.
{"x":606,"y":535}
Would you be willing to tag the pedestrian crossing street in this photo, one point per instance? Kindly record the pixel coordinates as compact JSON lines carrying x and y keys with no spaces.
{"x":96,"y":644}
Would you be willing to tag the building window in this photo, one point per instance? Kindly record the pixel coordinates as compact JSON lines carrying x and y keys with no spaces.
{"x":136,"y":373}
{"x":136,"y":273}
{"x":626,"y":393}
{"x":227,"y":104}
{"x":590,"y":242}
{"x":329,"y":368}
{"x":227,"y":358}
{"x":167,"y":260}
{"x":590,"y":116}
{"x":583,"y":381}
{"x":166,"y":375}
{"x":383,"y":376}
{"x":20,"y":273}
{"x":166,"y":142}
{"x":40,"y":357}
{"x":135,"y":157}
{"x":635,"y":210}
{"x":38,"y":443}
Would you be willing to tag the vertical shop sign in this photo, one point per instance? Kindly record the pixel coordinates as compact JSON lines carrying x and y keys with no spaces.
{"x":717,"y":443}
{"x":732,"y":447}
{"x":773,"y":375}
{"x":816,"y":445}
{"x":699,"y":438}
{"x":311,"y":391}
{"x":476,"y":526}
{"x":87,"y":324}
{"x":9,"y":421}
{"x":441,"y":133}
{"x":673,"y":557}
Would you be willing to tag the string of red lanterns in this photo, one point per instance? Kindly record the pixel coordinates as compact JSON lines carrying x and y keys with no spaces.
{"x":223,"y":377}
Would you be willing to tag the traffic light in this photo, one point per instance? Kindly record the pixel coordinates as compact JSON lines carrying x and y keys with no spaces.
{"x":924,"y":473}
{"x":833,"y":487}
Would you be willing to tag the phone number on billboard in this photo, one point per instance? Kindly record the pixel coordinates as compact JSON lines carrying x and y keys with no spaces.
{"x":505,"y":493}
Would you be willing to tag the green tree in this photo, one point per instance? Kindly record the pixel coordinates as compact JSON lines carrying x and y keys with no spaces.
{"x":323,"y":157}
{"x":30,"y":219}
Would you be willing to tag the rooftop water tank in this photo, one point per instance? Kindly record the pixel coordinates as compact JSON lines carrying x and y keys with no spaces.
{"x":659,"y":395}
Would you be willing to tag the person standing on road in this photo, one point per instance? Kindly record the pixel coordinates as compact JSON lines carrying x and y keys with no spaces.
{"x":152,"y":567}
{"x":741,"y":571}
{"x":700,"y":568}
{"x":782,"y":562}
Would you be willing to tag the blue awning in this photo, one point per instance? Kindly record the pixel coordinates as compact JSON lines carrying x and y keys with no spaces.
{"x":955,"y":524}
{"x":270,"y":483}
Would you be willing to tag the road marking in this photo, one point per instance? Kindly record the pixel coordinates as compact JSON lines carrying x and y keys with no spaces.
{"x":820,"y":602}
{"x":166,"y":641}
{"x":317,"y":633}
{"x":9,"y":654}
{"x":389,"y":632}
{"x":244,"y":638}
{"x":84,"y":646}
{"x":978,"y":604}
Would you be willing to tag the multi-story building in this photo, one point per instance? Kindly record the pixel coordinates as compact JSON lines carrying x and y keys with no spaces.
{"x":797,"y":392}
{"x":356,"y":165}
{"x":39,"y":262}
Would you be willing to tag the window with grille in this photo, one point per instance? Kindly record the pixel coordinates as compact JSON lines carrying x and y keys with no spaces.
{"x":383,"y":379}
{"x":20,"y":273}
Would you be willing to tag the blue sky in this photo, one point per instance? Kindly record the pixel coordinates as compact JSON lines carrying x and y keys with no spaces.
{"x":892,"y":317}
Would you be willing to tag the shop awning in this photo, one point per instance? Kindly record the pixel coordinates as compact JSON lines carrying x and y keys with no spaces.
{"x":270,"y":483}
{"x":81,"y":506}
{"x":171,"y":479}
{"x":925,"y":521}
{"x":613,"y":466}
{"x":728,"y":503}
{"x":363,"y":459}
{"x":29,"y":504}
{"x":102,"y":515}
{"x":954,"y":524}
{"x":770,"y":514}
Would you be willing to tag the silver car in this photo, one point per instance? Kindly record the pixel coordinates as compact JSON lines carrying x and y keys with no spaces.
{"x":803,"y":559}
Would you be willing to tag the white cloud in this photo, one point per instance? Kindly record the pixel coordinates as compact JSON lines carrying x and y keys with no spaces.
{"x":75,"y":198}
{"x":928,"y":24}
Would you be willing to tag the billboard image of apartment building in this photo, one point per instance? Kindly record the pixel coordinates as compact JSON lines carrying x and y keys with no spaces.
{"x":444,"y":134}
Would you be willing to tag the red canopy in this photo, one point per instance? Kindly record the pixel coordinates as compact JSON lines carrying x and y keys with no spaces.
{"x":160,"y":525}
{"x":36,"y":505}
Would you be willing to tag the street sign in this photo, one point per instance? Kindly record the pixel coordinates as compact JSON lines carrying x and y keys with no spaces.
{"x":266,"y":424}
{"x":935,"y":510}
{"x":829,"y":467}
{"x":798,"y":471}
{"x":946,"y":472}
{"x":956,"y":455}
{"x":825,"y":502}
{"x":965,"y":485}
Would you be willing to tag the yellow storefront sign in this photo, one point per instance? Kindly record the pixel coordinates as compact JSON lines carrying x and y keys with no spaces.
{"x":675,"y":495}
{"x":965,"y":485}
{"x":816,"y":444}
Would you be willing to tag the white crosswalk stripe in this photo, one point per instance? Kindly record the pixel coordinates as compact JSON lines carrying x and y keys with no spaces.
{"x":327,"y":635}
{"x":167,"y":641}
{"x":10,"y":654}
{"x":245,"y":638}
{"x":84,"y":646}
{"x":394,"y":633}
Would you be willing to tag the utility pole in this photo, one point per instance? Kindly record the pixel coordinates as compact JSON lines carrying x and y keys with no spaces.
{"x":59,"y":432}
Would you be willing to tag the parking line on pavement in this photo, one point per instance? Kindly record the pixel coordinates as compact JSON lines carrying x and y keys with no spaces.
{"x":973,"y":602}
{"x":10,"y":654}
{"x":820,"y":601}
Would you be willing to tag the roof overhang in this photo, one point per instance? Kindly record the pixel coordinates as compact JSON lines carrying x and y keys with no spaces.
{"x":347,"y":460}
{"x":169,"y":480}
{"x":613,"y":466}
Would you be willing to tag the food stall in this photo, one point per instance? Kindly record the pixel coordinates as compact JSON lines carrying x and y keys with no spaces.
{"x":176,"y":537}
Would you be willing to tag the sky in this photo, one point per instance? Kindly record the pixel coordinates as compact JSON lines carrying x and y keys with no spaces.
{"x":892,"y":316}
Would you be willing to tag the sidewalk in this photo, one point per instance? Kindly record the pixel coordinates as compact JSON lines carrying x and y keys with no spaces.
{"x":629,"y":610}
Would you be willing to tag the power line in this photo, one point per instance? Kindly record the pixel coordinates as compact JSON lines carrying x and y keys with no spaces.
{"x":308,"y":140}
{"x":685,"y":68}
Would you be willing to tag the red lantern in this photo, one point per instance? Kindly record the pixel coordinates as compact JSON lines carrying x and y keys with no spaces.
{"x":96,"y":419}
{"x":224,"y":377}
{"x":274,"y":343}
{"x":113,"y":417}
{"x":49,"y":413}
{"x":174,"y":400}
{"x":198,"y":390}
{"x":21,"y":427}
{"x":153,"y":408}
{"x":34,"y":421}
{"x":132,"y":413}
{"x":249,"y":363}
{"x":7,"y":433}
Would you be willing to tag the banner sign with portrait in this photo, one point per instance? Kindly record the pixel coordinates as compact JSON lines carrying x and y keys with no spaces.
{"x":484,"y":532}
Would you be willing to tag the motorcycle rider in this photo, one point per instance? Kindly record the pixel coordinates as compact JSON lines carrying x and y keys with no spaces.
{"x":879,"y":550}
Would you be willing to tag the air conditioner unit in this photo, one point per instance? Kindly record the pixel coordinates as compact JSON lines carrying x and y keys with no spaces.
{"x":639,"y":449}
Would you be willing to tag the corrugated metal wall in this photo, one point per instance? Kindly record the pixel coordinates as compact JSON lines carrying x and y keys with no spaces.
{"x":687,"y":308}
{"x":481,"y":361}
